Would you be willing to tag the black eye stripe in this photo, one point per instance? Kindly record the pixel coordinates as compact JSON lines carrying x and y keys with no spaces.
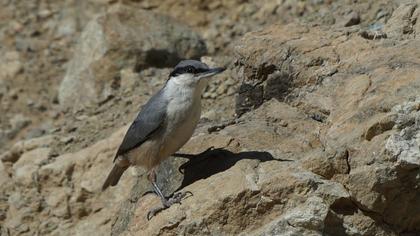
{"x":186,"y":69}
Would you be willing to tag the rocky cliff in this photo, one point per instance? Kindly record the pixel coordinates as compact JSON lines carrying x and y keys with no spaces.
{"x":314,"y":128}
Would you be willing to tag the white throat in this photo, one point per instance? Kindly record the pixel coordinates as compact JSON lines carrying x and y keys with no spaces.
{"x":185,"y":85}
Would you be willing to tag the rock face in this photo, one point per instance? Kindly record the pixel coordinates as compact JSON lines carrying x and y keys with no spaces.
{"x":325,"y":142}
{"x":341,"y":108}
{"x":124,"y":37}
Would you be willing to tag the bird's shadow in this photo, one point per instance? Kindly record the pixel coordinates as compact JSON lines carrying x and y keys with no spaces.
{"x":214,"y":161}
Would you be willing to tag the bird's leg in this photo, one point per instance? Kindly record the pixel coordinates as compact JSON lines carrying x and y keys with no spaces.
{"x":166,"y":202}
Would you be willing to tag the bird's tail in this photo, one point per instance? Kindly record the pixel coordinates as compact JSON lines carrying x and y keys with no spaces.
{"x":114,"y":176}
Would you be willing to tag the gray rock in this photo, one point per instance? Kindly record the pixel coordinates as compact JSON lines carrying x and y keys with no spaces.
{"x":124,"y":37}
{"x":405,"y":145}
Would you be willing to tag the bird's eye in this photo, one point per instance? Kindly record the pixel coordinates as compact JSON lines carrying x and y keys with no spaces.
{"x":189,"y":69}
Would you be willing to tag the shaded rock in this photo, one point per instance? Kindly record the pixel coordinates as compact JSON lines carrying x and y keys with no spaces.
{"x":380,"y":126}
{"x":124,"y":37}
{"x":353,"y":18}
{"x":373,"y":34}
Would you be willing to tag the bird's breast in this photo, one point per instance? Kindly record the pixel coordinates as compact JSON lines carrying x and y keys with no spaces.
{"x":183,"y":114}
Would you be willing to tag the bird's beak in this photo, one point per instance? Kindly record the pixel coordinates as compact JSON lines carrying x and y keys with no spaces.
{"x":211,"y":72}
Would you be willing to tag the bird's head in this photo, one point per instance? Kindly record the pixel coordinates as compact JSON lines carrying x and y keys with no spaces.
{"x":192,"y":73}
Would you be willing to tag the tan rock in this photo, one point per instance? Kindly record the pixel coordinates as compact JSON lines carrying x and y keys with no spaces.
{"x":255,"y":193}
{"x":326,"y":144}
{"x":124,"y":37}
{"x":28,"y":164}
{"x":23,"y":146}
{"x":402,"y":21}
{"x":11,"y":64}
{"x":4,"y":176}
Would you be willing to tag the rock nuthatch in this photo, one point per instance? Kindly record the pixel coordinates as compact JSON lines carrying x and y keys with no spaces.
{"x":165,"y":123}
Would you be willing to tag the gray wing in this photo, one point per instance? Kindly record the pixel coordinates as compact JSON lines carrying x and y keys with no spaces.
{"x":148,"y":121}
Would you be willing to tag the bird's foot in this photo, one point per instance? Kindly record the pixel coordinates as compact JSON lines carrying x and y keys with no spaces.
{"x":175,"y":198}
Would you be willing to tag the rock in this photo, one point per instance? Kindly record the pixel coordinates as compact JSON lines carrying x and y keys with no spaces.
{"x":123,"y":38}
{"x":10,"y":65}
{"x":249,"y":193}
{"x":328,"y":163}
{"x":129,"y":79}
{"x":270,"y":73}
{"x":259,"y":186}
{"x":373,"y":34}
{"x":326,"y":141}
{"x":57,"y":201}
{"x":28,"y":164}
{"x":18,"y":122}
{"x":65,"y":188}
{"x":352,"y":19}
{"x":4,"y":176}
{"x":402,"y":21}
{"x":306,"y":219}
{"x":405,"y":145}
{"x":77,"y":177}
{"x":379,"y":142}
{"x":67,"y":140}
{"x":26,"y":145}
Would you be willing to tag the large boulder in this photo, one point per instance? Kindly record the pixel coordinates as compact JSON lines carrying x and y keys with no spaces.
{"x":249,"y":184}
{"x":124,"y":37}
{"x":46,"y":191}
{"x":364,"y":94}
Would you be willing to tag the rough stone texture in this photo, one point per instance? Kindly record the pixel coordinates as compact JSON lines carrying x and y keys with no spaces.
{"x":124,"y":37}
{"x":260,"y":195}
{"x":65,"y":189}
{"x":10,"y":65}
{"x":327,"y":141}
{"x":405,"y":145}
{"x":353,"y":103}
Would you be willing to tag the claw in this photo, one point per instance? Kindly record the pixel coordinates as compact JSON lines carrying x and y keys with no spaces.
{"x":186,"y":193}
{"x":176,"y":198}
{"x":147,"y":192}
{"x":154,"y":212}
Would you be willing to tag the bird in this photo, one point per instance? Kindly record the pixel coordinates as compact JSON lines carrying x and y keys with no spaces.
{"x":163,"y":125}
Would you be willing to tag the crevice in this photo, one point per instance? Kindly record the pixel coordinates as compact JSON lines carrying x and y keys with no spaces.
{"x":219,"y":127}
{"x":347,"y":158}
